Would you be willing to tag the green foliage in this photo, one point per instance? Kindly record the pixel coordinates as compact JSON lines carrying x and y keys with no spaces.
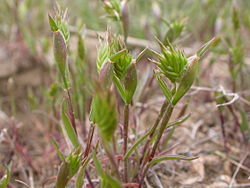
{"x":237,"y":58}
{"x":175,"y":30}
{"x":106,"y":180}
{"x":171,"y":157}
{"x":69,"y":130}
{"x":4,"y":181}
{"x":80,"y":177}
{"x":74,"y":161}
{"x":244,"y":126}
{"x":171,"y":62}
{"x":123,"y":66}
{"x":103,"y":55}
{"x":62,"y":176}
{"x":58,"y":23}
{"x":113,"y":9}
{"x":187,"y":80}
{"x":136,"y":144}
{"x":59,"y":153}
{"x":103,"y":113}
{"x":69,"y":167}
{"x":235,"y":19}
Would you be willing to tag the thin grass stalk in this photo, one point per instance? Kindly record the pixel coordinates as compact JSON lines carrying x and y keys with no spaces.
{"x":125,"y":139}
{"x":160,"y":132}
{"x":145,"y":148}
{"x":112,"y":161}
{"x":71,"y":111}
{"x":164,"y":123}
{"x":222,"y":124}
{"x":237,"y":123}
{"x":89,"y":141}
{"x":91,"y":184}
{"x":181,"y":113}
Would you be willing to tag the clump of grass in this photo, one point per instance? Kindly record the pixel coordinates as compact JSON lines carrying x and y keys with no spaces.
{"x":118,"y":73}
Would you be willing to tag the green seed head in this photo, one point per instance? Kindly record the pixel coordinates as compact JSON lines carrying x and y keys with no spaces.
{"x":103,"y":55}
{"x":187,"y":79}
{"x":171,"y":62}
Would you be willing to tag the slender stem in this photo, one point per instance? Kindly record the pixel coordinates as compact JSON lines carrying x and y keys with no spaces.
{"x":112,"y":160}
{"x":89,"y":179}
{"x":163,"y":125}
{"x":237,"y":123}
{"x":161,"y":130}
{"x":145,"y":148}
{"x":89,"y":141}
{"x":71,"y":111}
{"x":223,"y":129}
{"x":143,"y":175}
{"x":125,"y":139}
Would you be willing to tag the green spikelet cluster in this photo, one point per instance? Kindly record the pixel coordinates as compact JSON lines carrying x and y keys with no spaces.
{"x":171,"y":62}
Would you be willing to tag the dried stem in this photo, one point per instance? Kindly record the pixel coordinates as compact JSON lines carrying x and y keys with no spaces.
{"x":222,"y":121}
{"x":90,"y":138}
{"x":91,"y":185}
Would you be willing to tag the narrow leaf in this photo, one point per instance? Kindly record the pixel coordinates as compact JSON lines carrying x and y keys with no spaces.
{"x":111,"y":182}
{"x":62,"y":177}
{"x":143,"y":52}
{"x":97,"y":163}
{"x":130,"y":83}
{"x":80,"y":177}
{"x":118,"y":55}
{"x":69,"y":129}
{"x":52,"y":24}
{"x":171,"y":157}
{"x":164,"y":88}
{"x":6,"y":178}
{"x":120,"y":88}
{"x":136,"y":144}
{"x":205,"y":47}
{"x":179,"y":121}
{"x":56,"y":147}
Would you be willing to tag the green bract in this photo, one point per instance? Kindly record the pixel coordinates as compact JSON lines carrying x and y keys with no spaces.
{"x":171,"y":62}
{"x":187,"y":79}
{"x":103,"y":55}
